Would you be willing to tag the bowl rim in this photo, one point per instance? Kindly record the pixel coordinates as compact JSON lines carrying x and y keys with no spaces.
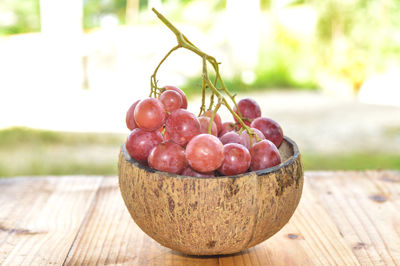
{"x":265,"y":171}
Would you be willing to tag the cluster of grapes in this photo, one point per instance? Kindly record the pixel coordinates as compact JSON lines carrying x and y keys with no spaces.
{"x":167,"y":137}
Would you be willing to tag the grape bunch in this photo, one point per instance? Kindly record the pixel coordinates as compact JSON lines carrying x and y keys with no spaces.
{"x":167,"y":137}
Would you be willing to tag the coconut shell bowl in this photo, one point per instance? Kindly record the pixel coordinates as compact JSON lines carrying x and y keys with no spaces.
{"x":212,"y":216}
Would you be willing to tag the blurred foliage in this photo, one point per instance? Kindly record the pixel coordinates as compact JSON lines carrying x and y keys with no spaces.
{"x":19,"y":16}
{"x":353,"y":161}
{"x":25,"y":151}
{"x":351,"y":40}
{"x":95,"y":10}
{"x":393,"y":132}
{"x":278,"y":77}
{"x":356,"y":38}
{"x":15,"y":136}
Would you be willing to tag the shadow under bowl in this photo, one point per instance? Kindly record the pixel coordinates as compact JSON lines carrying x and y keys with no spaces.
{"x":212,"y":216}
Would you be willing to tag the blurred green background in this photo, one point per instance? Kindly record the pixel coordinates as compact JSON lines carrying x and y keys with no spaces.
{"x":366,"y":32}
{"x":333,"y":47}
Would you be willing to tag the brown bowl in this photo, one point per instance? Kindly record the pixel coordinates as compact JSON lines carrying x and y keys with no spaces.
{"x":217,"y":215}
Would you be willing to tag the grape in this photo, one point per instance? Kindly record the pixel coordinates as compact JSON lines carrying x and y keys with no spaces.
{"x":150,"y":114}
{"x":264,"y":154}
{"x":226,"y":127}
{"x":171,"y":100}
{"x":140,"y":142}
{"x":182,"y":126}
{"x":236,"y":159}
{"x":188,"y":171}
{"x":217,"y":119}
{"x":204,"y":123}
{"x":168,"y":157}
{"x":184,"y":100}
{"x":271,"y":129}
{"x":130,"y":120}
{"x":249,"y":109}
{"x":246,"y":138}
{"x":205,"y":153}
{"x":231,"y":137}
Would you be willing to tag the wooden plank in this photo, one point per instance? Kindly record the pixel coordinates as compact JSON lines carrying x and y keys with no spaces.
{"x":365,"y":207}
{"x":18,"y":196}
{"x":42,"y":219}
{"x":344,"y":218}
{"x":310,"y":238}
{"x":109,"y":236}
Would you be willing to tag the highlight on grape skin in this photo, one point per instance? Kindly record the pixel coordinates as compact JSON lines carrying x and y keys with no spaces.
{"x":171,"y":100}
{"x":183,"y":95}
{"x":150,"y":114}
{"x":168,"y":157}
{"x":140,"y":142}
{"x":236,"y":159}
{"x":182,"y":126}
{"x":205,"y":153}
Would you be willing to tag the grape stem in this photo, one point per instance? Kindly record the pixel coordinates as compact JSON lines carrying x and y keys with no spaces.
{"x":153,"y":79}
{"x":221,"y":99}
{"x":183,"y":42}
{"x":203,"y":98}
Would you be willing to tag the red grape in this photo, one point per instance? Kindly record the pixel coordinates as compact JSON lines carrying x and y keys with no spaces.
{"x":217,"y":119}
{"x":182,"y":126}
{"x":130,"y":120}
{"x":246,"y":138}
{"x":236,"y":159}
{"x":231,"y":137}
{"x":168,"y":157}
{"x":171,"y":100}
{"x":264,"y":154}
{"x":184,"y":100}
{"x":188,"y":171}
{"x":140,"y":142}
{"x":271,"y":129}
{"x":249,"y":109}
{"x":226,"y":127}
{"x":150,"y":114}
{"x":204,"y":123}
{"x":205,"y":153}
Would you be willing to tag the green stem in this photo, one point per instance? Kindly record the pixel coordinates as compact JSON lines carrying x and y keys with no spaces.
{"x":213,"y":115}
{"x":222,"y":99}
{"x":203,"y":98}
{"x":211,"y":101}
{"x":166,"y":22}
{"x":153,"y":79}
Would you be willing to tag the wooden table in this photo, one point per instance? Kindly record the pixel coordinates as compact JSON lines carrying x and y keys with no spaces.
{"x":343,"y":218}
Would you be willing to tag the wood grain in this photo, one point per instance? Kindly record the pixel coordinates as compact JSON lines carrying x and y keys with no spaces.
{"x":365,"y":207}
{"x":344,"y":218}
{"x":309,"y":238}
{"x":40,"y":221}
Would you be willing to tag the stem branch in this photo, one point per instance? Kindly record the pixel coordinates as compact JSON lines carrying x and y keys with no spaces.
{"x":184,"y":42}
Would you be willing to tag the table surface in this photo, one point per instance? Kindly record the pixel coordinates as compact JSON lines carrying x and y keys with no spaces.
{"x":343,"y":218}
